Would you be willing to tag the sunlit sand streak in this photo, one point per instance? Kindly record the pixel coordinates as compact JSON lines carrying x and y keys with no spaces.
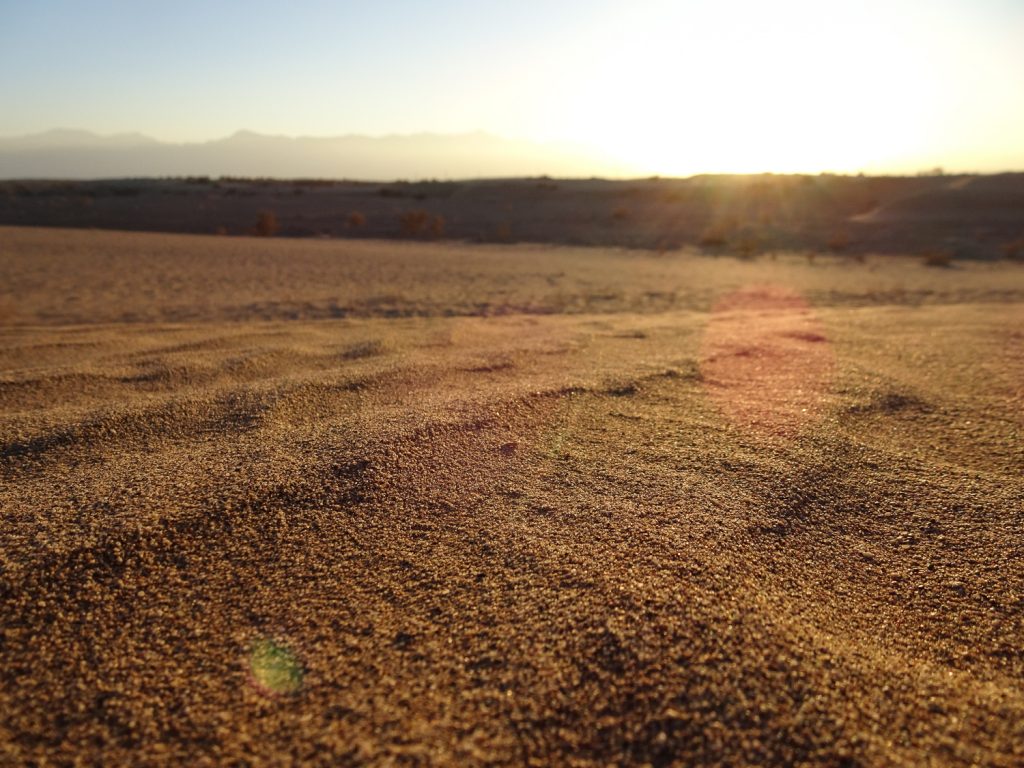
{"x":765,"y":361}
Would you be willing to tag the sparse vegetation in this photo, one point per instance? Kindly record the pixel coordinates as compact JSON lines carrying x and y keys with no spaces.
{"x":420,"y":223}
{"x":788,"y":213}
{"x":838,"y":241}
{"x":714,"y":236}
{"x":437,"y":226}
{"x":1014,"y":251}
{"x":413,"y":223}
{"x":503,"y":233}
{"x":266,"y":224}
{"x":748,"y":245}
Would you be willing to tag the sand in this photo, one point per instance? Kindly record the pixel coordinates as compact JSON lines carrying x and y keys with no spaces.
{"x":272,"y":502}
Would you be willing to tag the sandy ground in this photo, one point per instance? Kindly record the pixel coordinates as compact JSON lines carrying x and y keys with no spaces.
{"x":346,"y":503}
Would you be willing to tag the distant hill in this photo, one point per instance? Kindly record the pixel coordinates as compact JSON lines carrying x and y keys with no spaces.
{"x":74,"y":154}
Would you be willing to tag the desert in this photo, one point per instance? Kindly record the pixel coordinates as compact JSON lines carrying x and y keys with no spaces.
{"x":275,"y":501}
{"x":569,"y":384}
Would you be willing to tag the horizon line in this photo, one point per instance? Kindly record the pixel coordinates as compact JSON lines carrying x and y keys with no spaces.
{"x":565,"y":144}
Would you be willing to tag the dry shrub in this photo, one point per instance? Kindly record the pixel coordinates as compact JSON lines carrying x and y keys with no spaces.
{"x":503,"y":233}
{"x":715,"y":235}
{"x":620,"y":214}
{"x":356,"y":220}
{"x":838,"y":241}
{"x":437,"y":226}
{"x":748,"y":246}
{"x":413,"y":223}
{"x":421,"y":224}
{"x":266,"y":224}
{"x":937,"y":259}
{"x":1014,"y":251}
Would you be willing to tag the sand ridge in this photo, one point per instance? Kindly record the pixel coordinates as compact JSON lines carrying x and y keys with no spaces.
{"x":447,"y":535}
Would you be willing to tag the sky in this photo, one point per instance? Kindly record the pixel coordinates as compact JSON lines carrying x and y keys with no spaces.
{"x":661,"y":87}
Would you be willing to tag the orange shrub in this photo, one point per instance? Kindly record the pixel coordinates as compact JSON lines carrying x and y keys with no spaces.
{"x":839,"y":241}
{"x":266,"y":224}
{"x":413,"y":223}
{"x":437,"y":226}
{"x":1014,"y":250}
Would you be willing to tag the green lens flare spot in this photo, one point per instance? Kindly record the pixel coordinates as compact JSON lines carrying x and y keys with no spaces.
{"x":275,"y":669}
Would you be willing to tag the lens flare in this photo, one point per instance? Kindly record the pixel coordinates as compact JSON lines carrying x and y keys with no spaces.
{"x":275,"y":669}
{"x":765,"y":360}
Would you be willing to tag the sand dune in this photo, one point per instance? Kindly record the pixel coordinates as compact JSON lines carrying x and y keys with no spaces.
{"x":445,"y":504}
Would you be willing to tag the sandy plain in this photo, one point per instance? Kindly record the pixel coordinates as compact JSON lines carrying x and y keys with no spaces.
{"x":393,"y":503}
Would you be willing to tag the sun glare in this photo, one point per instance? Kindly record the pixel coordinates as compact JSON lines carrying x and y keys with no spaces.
{"x":796,"y":91}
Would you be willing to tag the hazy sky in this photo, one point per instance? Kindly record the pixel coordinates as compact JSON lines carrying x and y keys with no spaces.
{"x":667,"y":87}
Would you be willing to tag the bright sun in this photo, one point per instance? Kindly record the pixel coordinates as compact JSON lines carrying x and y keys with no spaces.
{"x":765,"y":95}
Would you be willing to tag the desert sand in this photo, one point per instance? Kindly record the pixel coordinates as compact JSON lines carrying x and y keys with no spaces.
{"x":399,"y":503}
